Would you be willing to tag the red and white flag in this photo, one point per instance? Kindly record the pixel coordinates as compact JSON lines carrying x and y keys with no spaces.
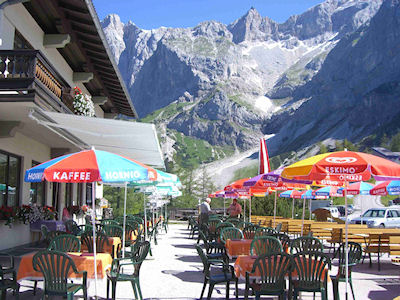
{"x":263,"y":158}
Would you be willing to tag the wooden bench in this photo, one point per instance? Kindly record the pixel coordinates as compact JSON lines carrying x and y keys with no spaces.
{"x":377,"y":243}
{"x":394,"y":243}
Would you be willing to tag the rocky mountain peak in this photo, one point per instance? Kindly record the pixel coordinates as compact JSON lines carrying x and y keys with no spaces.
{"x":114,"y":31}
{"x":211,"y":29}
{"x":252,"y":26}
{"x":112,"y":20}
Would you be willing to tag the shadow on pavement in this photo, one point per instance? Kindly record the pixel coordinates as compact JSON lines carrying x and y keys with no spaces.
{"x":188,"y":258}
{"x":186,"y":246}
{"x":187,"y":276}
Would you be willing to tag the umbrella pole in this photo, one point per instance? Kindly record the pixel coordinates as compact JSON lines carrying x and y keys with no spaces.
{"x":302,"y":217}
{"x":223,"y":200}
{"x":309,"y":208}
{"x":293,"y":209}
{"x":346,"y":244}
{"x":123,"y":229}
{"x":275,"y":209}
{"x":244,"y":211}
{"x":94,"y":236}
{"x":145,"y":217}
{"x":250,"y":209}
{"x":152,"y":223}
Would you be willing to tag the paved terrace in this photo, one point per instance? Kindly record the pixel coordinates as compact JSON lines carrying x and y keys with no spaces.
{"x":174,"y":272}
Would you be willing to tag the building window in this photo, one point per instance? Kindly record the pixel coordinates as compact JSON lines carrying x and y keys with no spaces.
{"x":38,"y":190}
{"x":20,"y":42}
{"x":10,"y":168}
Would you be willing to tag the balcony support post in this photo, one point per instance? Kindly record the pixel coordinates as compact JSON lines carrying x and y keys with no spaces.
{"x":56,"y":40}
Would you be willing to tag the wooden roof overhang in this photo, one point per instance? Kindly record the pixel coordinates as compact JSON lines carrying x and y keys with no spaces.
{"x":88,"y":50}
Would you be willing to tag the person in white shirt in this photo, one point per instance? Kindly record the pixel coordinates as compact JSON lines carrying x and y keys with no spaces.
{"x":205,"y":211}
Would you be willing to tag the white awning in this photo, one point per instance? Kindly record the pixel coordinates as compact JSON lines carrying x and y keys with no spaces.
{"x":136,"y":140}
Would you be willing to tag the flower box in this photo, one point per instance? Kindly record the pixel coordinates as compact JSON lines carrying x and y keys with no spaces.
{"x":52,"y":225}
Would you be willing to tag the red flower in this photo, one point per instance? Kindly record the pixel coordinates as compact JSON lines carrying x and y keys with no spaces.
{"x":77,"y":91}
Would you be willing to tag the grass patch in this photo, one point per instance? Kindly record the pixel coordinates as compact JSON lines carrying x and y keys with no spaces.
{"x":237,"y":99}
{"x":341,"y":201}
{"x":165,"y":112}
{"x":385,"y":199}
{"x":191,"y":152}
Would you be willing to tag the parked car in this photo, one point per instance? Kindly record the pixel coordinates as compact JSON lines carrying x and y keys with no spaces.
{"x":350,"y":208}
{"x":379,"y":217}
{"x":394,"y":202}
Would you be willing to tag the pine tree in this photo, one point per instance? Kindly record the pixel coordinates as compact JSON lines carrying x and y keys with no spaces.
{"x":395,"y":143}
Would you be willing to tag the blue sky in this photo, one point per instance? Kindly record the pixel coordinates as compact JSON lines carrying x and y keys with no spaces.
{"x":149,"y":14}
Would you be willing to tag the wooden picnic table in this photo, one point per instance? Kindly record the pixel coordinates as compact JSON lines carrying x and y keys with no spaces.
{"x":83,"y":262}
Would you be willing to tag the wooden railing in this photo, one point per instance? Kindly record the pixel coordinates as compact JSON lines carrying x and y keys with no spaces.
{"x":29,"y":70}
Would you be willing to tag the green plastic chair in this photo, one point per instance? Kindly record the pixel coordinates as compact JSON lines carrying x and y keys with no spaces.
{"x":213,"y":250}
{"x":65,"y":243}
{"x":273,"y":269}
{"x":193,"y":226}
{"x":306,"y":243}
{"x":117,"y":272}
{"x":278,"y":228}
{"x":49,"y":235}
{"x":216,"y":271}
{"x":284,"y":239}
{"x":311,"y":274}
{"x":86,"y":228}
{"x":129,"y":230}
{"x":73,"y":228}
{"x":232,"y":233}
{"x":137,"y":219}
{"x":264,"y":245}
{"x":355,"y":253}
{"x":113,"y":230}
{"x":219,"y":228}
{"x":241,"y":225}
{"x":7,"y":281}
{"x":101,"y":241}
{"x":249,"y":231}
{"x":119,"y":219}
{"x":152,"y":234}
{"x":212,"y":226}
{"x":56,"y":267}
{"x":264,"y":231}
{"x":133,"y":223}
{"x":234,"y":221}
{"x":134,"y":247}
{"x":109,"y":222}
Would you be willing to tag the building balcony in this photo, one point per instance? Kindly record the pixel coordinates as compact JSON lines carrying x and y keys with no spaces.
{"x":27,"y":76}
